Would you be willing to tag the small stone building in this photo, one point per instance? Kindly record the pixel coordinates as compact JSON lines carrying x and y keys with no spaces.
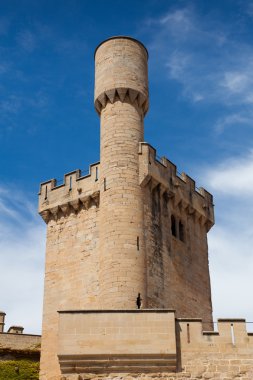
{"x":127,"y":286}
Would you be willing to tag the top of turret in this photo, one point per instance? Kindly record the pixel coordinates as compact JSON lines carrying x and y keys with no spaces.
{"x":121,"y":72}
{"x":121,"y":37}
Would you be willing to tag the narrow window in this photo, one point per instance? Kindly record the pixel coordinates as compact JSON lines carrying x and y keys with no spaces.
{"x":188,"y":333}
{"x":138,"y":243}
{"x":149,"y":158}
{"x":232,"y":334}
{"x":173,"y":226}
{"x":96,"y":174}
{"x":46,"y":193}
{"x":104,"y":184}
{"x":181,"y":230}
{"x":70,"y":183}
{"x":138,"y":301}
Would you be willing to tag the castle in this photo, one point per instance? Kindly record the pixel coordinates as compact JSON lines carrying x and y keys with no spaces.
{"x":127,"y":286}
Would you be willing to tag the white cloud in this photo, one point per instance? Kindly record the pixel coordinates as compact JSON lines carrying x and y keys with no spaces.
{"x":234,"y":119}
{"x":231,"y":240}
{"x":180,"y":22}
{"x":234,"y":177}
{"x":235,"y":81}
{"x":178,"y":63}
{"x":22,"y":240}
{"x":238,"y":84}
{"x":210,"y":62}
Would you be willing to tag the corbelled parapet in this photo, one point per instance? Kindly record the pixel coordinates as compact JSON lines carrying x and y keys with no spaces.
{"x":121,"y":72}
{"x":76,"y":192}
{"x":180,"y":188}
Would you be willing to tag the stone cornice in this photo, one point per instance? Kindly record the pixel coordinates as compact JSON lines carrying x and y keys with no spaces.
{"x":72,"y":206}
{"x":122,"y":94}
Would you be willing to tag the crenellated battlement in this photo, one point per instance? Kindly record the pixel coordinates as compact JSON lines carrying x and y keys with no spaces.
{"x":231,"y":334}
{"x":76,"y":192}
{"x":180,"y":188}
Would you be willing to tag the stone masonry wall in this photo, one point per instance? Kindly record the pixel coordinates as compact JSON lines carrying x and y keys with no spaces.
{"x":19,"y":342}
{"x":122,"y":257}
{"x":177,"y":266}
{"x":71,"y":277}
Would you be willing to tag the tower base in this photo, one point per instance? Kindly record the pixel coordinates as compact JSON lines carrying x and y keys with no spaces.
{"x":109,"y":341}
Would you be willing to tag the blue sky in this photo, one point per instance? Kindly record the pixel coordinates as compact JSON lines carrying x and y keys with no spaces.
{"x":201,"y":97}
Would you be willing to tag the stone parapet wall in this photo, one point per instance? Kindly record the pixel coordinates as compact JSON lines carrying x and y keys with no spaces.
{"x":19,"y":342}
{"x":225,"y":354}
{"x":76,"y":192}
{"x":113,"y":341}
{"x":180,"y":187}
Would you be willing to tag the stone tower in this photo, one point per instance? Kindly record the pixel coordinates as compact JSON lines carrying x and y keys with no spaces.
{"x":121,"y":99}
{"x":133,"y":232}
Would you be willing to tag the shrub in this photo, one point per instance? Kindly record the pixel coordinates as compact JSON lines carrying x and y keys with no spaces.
{"x":23,"y":369}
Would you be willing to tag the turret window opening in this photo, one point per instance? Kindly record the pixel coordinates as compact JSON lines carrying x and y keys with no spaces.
{"x":173,"y":226}
{"x":177,"y":228}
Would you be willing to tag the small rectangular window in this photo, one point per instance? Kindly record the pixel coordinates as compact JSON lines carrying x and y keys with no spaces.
{"x":45,"y":193}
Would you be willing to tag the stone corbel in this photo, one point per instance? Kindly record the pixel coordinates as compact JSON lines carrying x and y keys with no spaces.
{"x":64,"y":208}
{"x":54,"y":211}
{"x":154,"y":184}
{"x":86,"y":202}
{"x":45,"y":215}
{"x":75,"y":204}
{"x":95,"y":199}
{"x":191,"y":210}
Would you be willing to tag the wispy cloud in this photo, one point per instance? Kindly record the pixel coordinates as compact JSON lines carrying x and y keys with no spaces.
{"x":231,"y":240}
{"x":22,"y":237}
{"x":233,"y":177}
{"x":234,"y":119}
{"x":211,"y":63}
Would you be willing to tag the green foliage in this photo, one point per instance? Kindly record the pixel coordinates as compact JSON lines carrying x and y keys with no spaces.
{"x":23,"y":369}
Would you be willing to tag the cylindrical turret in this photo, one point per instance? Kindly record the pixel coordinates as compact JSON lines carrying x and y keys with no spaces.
{"x":121,"y":99}
{"x":2,"y":318}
